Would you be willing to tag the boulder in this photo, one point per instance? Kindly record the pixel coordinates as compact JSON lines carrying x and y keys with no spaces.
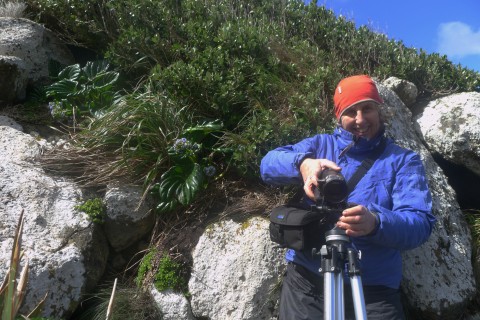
{"x":405,"y":90}
{"x":235,"y":271}
{"x":438,"y":276}
{"x":450,"y":126}
{"x":67,"y":253}
{"x":33,"y":45}
{"x":128,"y":218}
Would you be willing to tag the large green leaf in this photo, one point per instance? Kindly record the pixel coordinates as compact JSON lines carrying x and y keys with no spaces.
{"x":70,"y":73}
{"x":197,"y":133}
{"x":62,"y":89}
{"x":105,"y":79}
{"x":192,"y":185}
{"x":180,"y":184}
{"x":165,"y":206}
{"x":93,"y":69}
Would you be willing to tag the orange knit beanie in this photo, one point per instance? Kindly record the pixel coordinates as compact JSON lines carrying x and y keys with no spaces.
{"x":353,"y":90}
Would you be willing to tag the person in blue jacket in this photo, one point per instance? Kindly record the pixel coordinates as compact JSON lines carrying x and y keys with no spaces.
{"x":392,"y":211}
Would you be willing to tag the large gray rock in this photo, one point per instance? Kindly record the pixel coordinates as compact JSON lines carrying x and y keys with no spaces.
{"x":451,"y":127}
{"x":405,"y":90}
{"x":34,"y":46}
{"x":128,"y":217}
{"x":66,"y":252}
{"x":235,"y":269}
{"x":438,"y":276}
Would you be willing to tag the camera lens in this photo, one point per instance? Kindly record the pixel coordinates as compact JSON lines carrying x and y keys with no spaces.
{"x":333,"y":186}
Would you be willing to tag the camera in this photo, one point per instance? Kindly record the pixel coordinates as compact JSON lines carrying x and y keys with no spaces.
{"x":332,"y":189}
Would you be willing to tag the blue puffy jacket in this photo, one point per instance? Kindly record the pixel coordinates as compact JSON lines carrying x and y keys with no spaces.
{"x":395,"y":187}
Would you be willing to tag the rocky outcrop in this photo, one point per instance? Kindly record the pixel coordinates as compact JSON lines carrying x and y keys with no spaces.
{"x":450,"y":126}
{"x":438,"y":276}
{"x":405,"y":90}
{"x":235,"y":271}
{"x":34,"y":47}
{"x":67,"y":253}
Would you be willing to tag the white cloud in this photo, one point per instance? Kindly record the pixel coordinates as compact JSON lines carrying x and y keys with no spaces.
{"x":457,"y":39}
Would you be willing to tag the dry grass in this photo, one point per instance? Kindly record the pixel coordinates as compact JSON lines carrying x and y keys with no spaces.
{"x":12,"y":9}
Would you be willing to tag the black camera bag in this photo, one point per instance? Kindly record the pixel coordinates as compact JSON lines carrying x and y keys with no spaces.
{"x":297,"y":226}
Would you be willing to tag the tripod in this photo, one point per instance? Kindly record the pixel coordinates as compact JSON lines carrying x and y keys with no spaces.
{"x":334,"y":256}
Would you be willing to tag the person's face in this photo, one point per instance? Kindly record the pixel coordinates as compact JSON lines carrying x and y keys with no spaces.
{"x":362,"y":119}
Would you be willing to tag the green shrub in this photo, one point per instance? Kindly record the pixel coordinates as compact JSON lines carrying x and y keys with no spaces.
{"x":88,"y":23}
{"x":192,"y":166}
{"x":94,"y":208}
{"x":145,"y":266}
{"x":82,"y":91}
{"x":168,"y":273}
{"x":265,"y":71}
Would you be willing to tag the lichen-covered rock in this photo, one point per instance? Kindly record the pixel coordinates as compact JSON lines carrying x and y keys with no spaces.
{"x":235,"y":271}
{"x":128,"y":217}
{"x":438,"y":276}
{"x":67,"y":253}
{"x":451,"y":127}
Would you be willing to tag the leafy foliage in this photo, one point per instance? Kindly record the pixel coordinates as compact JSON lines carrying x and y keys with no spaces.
{"x":168,"y":272}
{"x":265,"y":70}
{"x":82,"y":91}
{"x":191,"y":169}
{"x":94,"y":208}
{"x":168,"y":275}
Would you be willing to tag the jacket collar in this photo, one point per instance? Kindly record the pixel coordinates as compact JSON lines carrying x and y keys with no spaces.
{"x":356,"y":145}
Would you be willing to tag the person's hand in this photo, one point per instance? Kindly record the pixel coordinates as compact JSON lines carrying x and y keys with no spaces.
{"x":311,"y":170}
{"x":357,"y":221}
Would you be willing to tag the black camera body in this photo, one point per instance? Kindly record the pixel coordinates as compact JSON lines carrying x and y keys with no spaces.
{"x":332,"y":191}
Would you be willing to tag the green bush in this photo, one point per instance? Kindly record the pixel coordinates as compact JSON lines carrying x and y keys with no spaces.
{"x":192,"y":166}
{"x":168,"y":274}
{"x":265,"y":71}
{"x":94,"y":208}
{"x":79,"y":92}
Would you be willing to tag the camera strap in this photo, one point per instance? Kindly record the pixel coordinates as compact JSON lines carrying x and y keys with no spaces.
{"x":366,"y":165}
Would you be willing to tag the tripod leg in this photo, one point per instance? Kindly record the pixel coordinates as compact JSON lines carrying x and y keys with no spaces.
{"x":358,"y":299}
{"x":329,"y":295}
{"x":357,"y":288}
{"x":339,"y":298}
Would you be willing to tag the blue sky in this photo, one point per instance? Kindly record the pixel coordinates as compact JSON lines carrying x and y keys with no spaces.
{"x":446,"y":27}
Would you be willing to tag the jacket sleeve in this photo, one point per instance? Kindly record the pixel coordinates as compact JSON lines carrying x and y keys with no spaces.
{"x":410,"y":222}
{"x":281,"y":165}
